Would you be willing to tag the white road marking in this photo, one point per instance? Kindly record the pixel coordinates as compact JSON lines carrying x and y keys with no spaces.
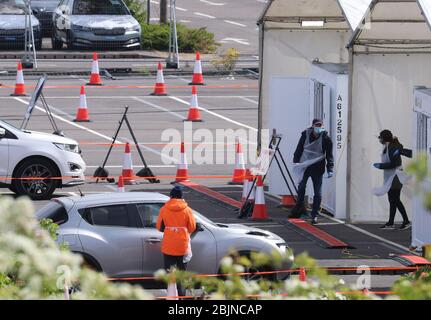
{"x":235,"y":23}
{"x":249,"y":100}
{"x":69,"y":122}
{"x":216,"y":115}
{"x":237,"y":40}
{"x":73,"y":193}
{"x":204,"y":15}
{"x":178,"y":8}
{"x":111,"y":187}
{"x":185,"y":21}
{"x":160,"y":108}
{"x":76,"y":77}
{"x":181,"y":9}
{"x":212,"y":3}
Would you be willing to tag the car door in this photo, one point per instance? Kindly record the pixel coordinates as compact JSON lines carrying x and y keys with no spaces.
{"x":4,"y":155}
{"x":109,"y":235}
{"x":146,"y":217}
{"x":203,"y":244}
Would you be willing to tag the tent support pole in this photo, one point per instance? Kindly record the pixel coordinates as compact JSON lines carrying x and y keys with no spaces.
{"x":260,"y":106}
{"x":349,"y":138}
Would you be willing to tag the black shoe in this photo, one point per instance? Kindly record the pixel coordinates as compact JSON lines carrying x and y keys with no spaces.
{"x":388,"y":227}
{"x":297,"y":212}
{"x":405,"y":226}
{"x":314,"y":221}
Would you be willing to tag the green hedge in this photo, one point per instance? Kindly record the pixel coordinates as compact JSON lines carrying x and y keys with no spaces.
{"x":156,"y":36}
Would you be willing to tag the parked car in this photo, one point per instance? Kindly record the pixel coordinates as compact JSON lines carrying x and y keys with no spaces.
{"x":12,"y":25}
{"x":89,"y":23}
{"x":116,"y":234}
{"x":29,"y":154}
{"x":43,"y":10}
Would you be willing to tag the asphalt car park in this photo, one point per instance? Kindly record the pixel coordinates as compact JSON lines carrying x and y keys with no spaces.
{"x":226,"y":104}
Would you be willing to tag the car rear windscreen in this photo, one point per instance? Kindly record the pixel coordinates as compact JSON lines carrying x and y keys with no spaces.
{"x":99,"y":7}
{"x":54,"y":211}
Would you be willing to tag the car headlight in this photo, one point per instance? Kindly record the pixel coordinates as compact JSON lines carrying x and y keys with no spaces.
{"x":136,"y":28}
{"x":68,"y":147}
{"x":80,"y":28}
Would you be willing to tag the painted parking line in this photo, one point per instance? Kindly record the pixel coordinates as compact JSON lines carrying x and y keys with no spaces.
{"x":204,"y":15}
{"x":249,"y":100}
{"x":213,"y":3}
{"x":215,"y":114}
{"x":235,"y":23}
{"x":160,"y":108}
{"x":93,"y":131}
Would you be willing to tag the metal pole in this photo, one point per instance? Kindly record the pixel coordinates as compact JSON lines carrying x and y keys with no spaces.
{"x":163,"y":11}
{"x":173,"y":61}
{"x":148,"y":11}
{"x":349,"y":138}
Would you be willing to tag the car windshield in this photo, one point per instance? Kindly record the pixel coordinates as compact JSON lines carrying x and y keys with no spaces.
{"x":99,"y":7}
{"x":204,"y":219}
{"x":12,"y":7}
{"x":54,"y":211}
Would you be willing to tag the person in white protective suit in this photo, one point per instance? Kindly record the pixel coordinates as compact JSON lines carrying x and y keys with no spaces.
{"x":313,"y":152}
{"x":393,"y":178}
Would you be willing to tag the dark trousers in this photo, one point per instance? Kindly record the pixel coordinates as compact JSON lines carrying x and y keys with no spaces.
{"x":316,"y":178}
{"x":395,"y":202}
{"x":177,"y":262}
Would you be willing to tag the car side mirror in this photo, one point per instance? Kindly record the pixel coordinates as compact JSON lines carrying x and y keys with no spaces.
{"x":2,"y":133}
{"x":199,"y":227}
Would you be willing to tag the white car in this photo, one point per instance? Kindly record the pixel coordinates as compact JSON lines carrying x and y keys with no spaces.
{"x":35,"y":163}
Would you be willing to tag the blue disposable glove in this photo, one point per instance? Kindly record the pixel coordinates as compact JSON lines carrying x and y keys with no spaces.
{"x":397,"y":152}
{"x":330,"y":174}
{"x":377,"y":165}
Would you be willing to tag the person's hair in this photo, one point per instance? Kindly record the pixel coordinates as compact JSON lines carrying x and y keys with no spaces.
{"x":387,"y":136}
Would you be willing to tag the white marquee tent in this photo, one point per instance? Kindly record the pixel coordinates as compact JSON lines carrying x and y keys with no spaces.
{"x":387,"y":46}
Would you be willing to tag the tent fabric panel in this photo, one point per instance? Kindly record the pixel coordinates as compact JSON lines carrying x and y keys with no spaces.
{"x":304,"y":8}
{"x":382,"y":95}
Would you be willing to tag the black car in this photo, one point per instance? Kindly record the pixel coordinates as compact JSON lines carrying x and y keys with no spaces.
{"x":12,"y":25}
{"x":43,"y":10}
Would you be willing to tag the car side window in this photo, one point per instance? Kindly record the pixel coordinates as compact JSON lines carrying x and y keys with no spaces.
{"x":109,"y":216}
{"x":148,"y":213}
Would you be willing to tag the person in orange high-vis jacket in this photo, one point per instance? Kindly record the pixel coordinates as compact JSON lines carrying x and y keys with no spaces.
{"x":177,"y":223}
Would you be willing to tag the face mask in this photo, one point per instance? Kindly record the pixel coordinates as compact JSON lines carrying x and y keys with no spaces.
{"x":318,"y":130}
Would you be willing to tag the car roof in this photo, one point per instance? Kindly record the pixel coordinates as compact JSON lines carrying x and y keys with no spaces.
{"x":112,"y":198}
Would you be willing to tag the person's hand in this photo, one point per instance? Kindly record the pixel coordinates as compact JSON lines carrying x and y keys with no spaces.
{"x":330,"y":175}
{"x":377,"y":165}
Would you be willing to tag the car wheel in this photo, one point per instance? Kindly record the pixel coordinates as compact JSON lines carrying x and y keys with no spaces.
{"x":69,"y":43}
{"x":33,"y":179}
{"x":57,"y":44}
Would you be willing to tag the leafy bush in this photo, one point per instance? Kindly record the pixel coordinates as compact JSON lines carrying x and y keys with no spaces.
{"x":156,"y":36}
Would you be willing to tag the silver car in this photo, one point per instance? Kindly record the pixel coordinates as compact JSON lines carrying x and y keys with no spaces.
{"x":90,"y":23}
{"x":116,"y":234}
{"x":12,"y":25}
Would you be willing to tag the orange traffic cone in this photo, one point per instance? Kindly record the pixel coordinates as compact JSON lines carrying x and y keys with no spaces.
{"x":127,"y":173}
{"x":239,"y":171}
{"x":287,"y":201}
{"x":82,"y":113}
{"x":172,"y":292}
{"x":182,"y":168}
{"x":95,"y":77}
{"x":121,"y":185}
{"x":194,"y":114}
{"x":198,"y":78}
{"x":302,"y":274}
{"x":259,"y":210}
{"x":19,"y":85}
{"x":160,"y":87}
